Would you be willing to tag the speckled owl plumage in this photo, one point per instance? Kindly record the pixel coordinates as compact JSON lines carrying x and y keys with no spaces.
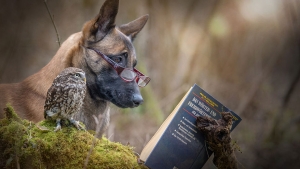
{"x":65,"y":97}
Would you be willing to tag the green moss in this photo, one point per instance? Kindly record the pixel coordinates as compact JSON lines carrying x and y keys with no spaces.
{"x":10,"y":114}
{"x":37,"y":146}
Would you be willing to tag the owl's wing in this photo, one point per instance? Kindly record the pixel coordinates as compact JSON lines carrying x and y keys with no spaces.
{"x":53,"y":113}
{"x":50,"y":108}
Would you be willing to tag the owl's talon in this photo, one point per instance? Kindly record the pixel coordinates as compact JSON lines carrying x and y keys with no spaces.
{"x":77,"y":124}
{"x":58,"y":127}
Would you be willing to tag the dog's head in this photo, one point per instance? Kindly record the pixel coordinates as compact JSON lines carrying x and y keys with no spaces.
{"x":101,"y":34}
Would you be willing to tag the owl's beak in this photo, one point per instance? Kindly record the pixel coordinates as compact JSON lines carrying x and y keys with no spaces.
{"x":82,"y":75}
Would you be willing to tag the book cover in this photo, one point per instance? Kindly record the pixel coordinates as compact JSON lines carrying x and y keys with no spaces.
{"x":178,"y":143}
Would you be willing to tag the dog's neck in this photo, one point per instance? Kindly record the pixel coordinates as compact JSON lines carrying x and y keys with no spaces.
{"x":62,"y":59}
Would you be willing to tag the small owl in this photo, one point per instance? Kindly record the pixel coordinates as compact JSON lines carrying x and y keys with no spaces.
{"x":65,"y":97}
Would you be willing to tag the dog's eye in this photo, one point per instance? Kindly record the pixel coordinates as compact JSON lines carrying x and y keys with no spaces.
{"x":117,"y":59}
{"x":125,"y":54}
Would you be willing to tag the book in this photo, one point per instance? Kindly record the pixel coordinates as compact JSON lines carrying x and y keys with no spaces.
{"x":178,"y":144}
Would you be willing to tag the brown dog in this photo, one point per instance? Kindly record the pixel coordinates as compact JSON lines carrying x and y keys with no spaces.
{"x":103,"y":83}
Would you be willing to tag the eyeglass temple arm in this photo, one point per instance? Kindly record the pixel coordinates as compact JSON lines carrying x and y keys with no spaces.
{"x":115,"y":65}
{"x":141,"y":74}
{"x":138,"y":72}
{"x":111,"y":62}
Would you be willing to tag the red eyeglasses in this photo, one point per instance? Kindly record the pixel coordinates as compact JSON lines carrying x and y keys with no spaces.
{"x":125,"y":73}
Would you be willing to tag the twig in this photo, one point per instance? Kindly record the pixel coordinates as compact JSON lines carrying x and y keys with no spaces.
{"x":94,"y":142}
{"x":17,"y":162}
{"x":51,"y":17}
{"x":98,"y":130}
{"x":291,"y":89}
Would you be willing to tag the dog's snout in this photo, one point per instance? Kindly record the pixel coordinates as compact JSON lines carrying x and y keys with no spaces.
{"x":137,"y":99}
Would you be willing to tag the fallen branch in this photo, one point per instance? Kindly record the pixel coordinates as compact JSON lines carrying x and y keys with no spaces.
{"x":217,"y":135}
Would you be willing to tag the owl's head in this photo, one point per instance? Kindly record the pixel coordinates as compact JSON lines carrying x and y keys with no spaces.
{"x":79,"y":76}
{"x":72,"y":74}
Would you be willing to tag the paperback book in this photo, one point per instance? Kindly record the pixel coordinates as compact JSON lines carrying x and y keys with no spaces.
{"x":178,"y":143}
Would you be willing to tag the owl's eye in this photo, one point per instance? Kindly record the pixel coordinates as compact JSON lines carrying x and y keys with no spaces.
{"x":77,"y":75}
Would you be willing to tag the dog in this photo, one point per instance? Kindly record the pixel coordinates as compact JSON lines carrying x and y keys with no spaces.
{"x":104,"y":85}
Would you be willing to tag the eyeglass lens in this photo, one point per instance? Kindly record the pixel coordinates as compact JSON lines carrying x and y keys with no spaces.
{"x":142,"y":81}
{"x":128,"y":74}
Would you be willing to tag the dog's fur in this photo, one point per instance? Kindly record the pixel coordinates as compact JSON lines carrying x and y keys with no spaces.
{"x":103,"y":83}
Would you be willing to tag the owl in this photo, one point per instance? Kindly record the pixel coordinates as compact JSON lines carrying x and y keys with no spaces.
{"x":65,"y":97}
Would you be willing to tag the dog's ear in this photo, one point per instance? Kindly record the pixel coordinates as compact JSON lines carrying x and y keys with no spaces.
{"x":97,"y":28}
{"x":132,"y":28}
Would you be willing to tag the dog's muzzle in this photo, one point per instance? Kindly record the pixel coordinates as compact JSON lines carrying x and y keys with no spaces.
{"x":137,"y":99}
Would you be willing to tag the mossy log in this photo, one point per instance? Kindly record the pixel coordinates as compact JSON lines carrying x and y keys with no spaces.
{"x":217,"y":135}
{"x":24,"y":144}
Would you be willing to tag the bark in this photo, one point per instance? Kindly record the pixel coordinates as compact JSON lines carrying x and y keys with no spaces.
{"x":217,"y":135}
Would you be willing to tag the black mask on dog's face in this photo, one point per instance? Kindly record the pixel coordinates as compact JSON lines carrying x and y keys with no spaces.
{"x":104,"y":83}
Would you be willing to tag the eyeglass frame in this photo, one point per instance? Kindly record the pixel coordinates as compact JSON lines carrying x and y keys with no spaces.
{"x":119,"y":69}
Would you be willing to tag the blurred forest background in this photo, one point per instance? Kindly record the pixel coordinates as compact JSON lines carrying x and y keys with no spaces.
{"x":244,"y":53}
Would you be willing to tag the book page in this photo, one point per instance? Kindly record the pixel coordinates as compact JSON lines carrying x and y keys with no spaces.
{"x":151,"y":144}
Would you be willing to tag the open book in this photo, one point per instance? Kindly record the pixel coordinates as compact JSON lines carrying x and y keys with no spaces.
{"x":178,"y":143}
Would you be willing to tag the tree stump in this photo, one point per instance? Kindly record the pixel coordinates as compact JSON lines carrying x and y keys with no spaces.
{"x":217,"y":135}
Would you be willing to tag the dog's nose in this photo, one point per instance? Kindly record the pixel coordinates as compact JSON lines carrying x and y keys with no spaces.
{"x":137,"y":99}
